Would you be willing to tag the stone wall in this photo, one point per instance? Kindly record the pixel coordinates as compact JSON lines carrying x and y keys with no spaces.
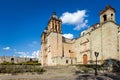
{"x":64,"y":60}
{"x":103,"y":39}
{"x":16,"y":59}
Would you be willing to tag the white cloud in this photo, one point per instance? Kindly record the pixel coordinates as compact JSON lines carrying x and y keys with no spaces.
{"x":79,"y":26}
{"x":69,"y":36}
{"x":34,"y":54}
{"x":6,"y":48}
{"x":76,"y":18}
{"x":22,"y":54}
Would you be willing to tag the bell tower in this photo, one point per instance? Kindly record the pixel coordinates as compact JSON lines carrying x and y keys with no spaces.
{"x":108,"y":14}
{"x":52,"y":41}
{"x":54,"y":24}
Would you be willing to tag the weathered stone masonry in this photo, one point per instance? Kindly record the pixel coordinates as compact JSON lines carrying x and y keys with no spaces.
{"x":103,"y":37}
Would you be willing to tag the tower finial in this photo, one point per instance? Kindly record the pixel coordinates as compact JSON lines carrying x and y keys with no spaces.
{"x":108,"y":6}
{"x":54,"y":14}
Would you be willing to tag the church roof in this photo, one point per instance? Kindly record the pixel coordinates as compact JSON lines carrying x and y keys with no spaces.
{"x":106,"y":8}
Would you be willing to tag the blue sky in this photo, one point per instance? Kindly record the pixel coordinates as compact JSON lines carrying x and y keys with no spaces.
{"x":22,"y":21}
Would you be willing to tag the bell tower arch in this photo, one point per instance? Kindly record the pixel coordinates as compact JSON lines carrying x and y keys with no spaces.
{"x":108,"y":14}
{"x":54,"y":24}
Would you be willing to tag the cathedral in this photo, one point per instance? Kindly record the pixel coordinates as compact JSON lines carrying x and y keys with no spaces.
{"x":102,"y":37}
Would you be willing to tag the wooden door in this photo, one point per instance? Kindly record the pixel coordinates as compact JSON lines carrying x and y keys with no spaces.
{"x":85,"y":59}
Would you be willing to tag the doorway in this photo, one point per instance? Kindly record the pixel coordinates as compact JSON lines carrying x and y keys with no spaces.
{"x":85,"y":59}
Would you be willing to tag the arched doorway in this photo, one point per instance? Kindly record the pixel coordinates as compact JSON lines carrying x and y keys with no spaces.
{"x":12,"y":60}
{"x":85,"y":58}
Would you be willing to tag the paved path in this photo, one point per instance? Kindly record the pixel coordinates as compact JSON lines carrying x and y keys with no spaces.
{"x":59,"y":73}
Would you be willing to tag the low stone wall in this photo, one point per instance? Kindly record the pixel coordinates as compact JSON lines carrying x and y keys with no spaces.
{"x":16,"y":59}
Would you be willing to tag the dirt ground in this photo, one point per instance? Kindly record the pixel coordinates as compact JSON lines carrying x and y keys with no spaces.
{"x":55,"y":73}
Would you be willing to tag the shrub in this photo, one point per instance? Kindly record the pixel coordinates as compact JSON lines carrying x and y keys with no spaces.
{"x":20,"y":68}
{"x":6,"y":63}
{"x":39,"y":70}
{"x":88,"y":67}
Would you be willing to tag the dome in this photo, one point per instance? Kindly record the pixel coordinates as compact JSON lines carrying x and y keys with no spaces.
{"x":83,"y":32}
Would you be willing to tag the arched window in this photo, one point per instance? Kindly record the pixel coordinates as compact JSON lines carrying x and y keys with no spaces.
{"x":105,"y":17}
{"x":56,"y":28}
{"x":69,"y":51}
{"x":66,"y":61}
{"x":31,"y":60}
{"x":112,"y":14}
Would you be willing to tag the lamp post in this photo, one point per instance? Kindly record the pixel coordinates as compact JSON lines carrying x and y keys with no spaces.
{"x":96,"y":55}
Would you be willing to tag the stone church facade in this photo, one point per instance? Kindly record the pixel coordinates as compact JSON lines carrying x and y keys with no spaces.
{"x":102,"y":37}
